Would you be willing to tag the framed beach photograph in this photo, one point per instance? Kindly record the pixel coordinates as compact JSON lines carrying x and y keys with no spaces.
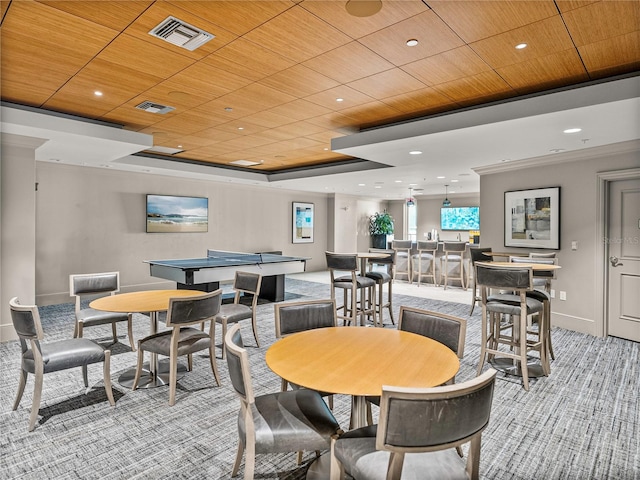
{"x":302,"y":222}
{"x":532,"y":218}
{"x":177,"y":214}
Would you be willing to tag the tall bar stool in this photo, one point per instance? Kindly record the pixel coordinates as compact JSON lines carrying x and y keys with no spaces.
{"x":518,"y":306}
{"x":381,"y":278}
{"x":343,"y":269}
{"x":427,"y":254}
{"x":403,"y":253}
{"x":454,"y":253}
{"x":477,"y":254}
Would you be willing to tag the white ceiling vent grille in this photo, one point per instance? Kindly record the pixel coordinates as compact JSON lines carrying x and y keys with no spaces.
{"x":151,"y":107}
{"x":181,"y":34}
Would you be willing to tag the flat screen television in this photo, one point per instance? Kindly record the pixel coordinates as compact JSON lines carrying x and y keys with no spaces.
{"x":177,"y":214}
{"x":460,"y":218}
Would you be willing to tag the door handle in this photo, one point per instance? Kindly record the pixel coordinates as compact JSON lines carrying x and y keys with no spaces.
{"x":615,"y":262}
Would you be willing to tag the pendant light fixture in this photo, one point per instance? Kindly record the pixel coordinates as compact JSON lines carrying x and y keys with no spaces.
{"x":446,"y":202}
{"x":410,"y":201}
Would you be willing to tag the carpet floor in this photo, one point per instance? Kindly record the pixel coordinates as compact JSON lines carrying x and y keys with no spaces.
{"x":581,"y":422}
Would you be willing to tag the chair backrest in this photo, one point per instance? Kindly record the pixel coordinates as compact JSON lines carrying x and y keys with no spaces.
{"x":401,"y":244}
{"x":505,"y":277}
{"x":295,"y":317}
{"x":478,"y":254}
{"x":429,"y":246}
{"x":446,"y":329}
{"x":429,"y":419}
{"x":347,"y":262}
{"x":542,"y":255}
{"x":238,"y":363}
{"x":247,"y":282}
{"x":26,"y":321}
{"x":94,"y":283}
{"x":193,"y":309}
{"x":454,"y":247}
{"x":390,"y":259}
{"x":550,"y":274}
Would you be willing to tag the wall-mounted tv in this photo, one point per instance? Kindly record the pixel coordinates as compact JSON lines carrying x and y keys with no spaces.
{"x":177,"y":214}
{"x":460,"y":218}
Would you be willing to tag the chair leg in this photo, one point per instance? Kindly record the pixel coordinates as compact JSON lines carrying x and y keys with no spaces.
{"x":21,"y":385}
{"x":130,"y":333}
{"x":85,"y":376}
{"x":483,"y":341}
{"x":173,"y":374}
{"x":106,"y":374}
{"x":523,"y":352}
{"x":236,"y":464}
{"x":336,"y":471}
{"x":224,"y":334}
{"x":212,"y":360}
{"x":37,"y":395}
{"x":254,"y":326}
{"x":393,"y":322}
{"x":189,"y":362}
{"x":249,"y":461}
{"x":114,"y":332}
{"x":136,"y":379}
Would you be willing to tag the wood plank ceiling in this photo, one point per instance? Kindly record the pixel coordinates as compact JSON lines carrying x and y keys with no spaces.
{"x":265,"y":89}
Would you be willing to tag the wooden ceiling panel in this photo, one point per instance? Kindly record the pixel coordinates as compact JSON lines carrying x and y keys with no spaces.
{"x":4,"y":4}
{"x":566,"y":5}
{"x":447,"y":67}
{"x":433,"y":35}
{"x":387,"y":84}
{"x":113,"y":14}
{"x":545,"y":73}
{"x":186,"y":123}
{"x":475,"y":20}
{"x":298,"y":35}
{"x":350,"y":98}
{"x":158,"y":13}
{"x":299,"y":81}
{"x":241,"y":127}
{"x":207,"y":81}
{"x":613,"y":56}
{"x":300,"y":109}
{"x":373,"y":113}
{"x":268,"y":119}
{"x":131,"y":118}
{"x":334,"y":13}
{"x":425,"y":101}
{"x":237,"y":17}
{"x":349,"y":62}
{"x":215,"y":135}
{"x":543,"y":38}
{"x":484,"y":87}
{"x":599,"y":21}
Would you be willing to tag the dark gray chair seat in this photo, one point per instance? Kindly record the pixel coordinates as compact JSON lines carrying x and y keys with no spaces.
{"x":191,"y":340}
{"x":64,"y":354}
{"x":361,"y":282}
{"x":379,"y":276}
{"x":90,"y":317}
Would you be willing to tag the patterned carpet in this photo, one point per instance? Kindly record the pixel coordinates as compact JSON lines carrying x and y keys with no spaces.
{"x":582,"y":422}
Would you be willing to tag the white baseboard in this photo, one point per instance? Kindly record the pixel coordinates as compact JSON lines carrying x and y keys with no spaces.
{"x":577,"y":324}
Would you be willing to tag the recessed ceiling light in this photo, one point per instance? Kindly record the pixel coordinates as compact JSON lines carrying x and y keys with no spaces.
{"x":240,"y":128}
{"x":557,"y":150}
{"x":415,"y":152}
{"x":228,"y":109}
{"x":97,"y":93}
{"x":413,"y":184}
{"x":572,"y":130}
{"x":378,"y":186}
{"x":179,"y":146}
{"x":361,"y":184}
{"x":339,"y":99}
{"x":412,"y":42}
{"x":325,"y":149}
{"x":398,"y":181}
{"x":440,"y":177}
{"x":454,"y":181}
{"x":520,"y":46}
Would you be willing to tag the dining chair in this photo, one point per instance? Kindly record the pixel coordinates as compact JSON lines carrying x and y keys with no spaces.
{"x":417,"y":434}
{"x":290,"y":421}
{"x":453,"y":252}
{"x":517,"y":306}
{"x":343,"y":272}
{"x":182,"y":339}
{"x":426,"y":253}
{"x":382,"y":278}
{"x":477,"y":254}
{"x":244,"y":284}
{"x":89,"y":286}
{"x":39,"y":358}
{"x":403,"y":257}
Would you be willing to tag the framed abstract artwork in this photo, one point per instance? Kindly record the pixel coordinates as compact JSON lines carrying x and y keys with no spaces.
{"x":532,"y":218}
{"x":303,"y":222}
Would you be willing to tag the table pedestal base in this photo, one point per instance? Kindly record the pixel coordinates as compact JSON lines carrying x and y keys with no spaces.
{"x":147,"y":380}
{"x":512,"y":367}
{"x":320,"y":468}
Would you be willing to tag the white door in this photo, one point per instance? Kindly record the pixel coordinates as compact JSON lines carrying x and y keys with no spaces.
{"x":624,"y":259}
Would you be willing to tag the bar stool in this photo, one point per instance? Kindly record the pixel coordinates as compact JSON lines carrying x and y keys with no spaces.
{"x":477,"y":254}
{"x":403,"y":252}
{"x":427,"y":252}
{"x":381,"y":278}
{"x":518,"y":306}
{"x":453,"y":252}
{"x":351,"y":284}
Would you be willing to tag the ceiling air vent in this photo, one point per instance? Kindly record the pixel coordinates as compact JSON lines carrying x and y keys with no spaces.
{"x":181,"y":34}
{"x":151,"y":107}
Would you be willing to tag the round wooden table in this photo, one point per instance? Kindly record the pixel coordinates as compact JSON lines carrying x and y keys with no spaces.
{"x":541,"y":267}
{"x":358,"y":361}
{"x":154,"y":373}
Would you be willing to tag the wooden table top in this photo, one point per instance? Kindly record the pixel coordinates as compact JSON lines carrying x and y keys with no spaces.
{"x":144,"y":301}
{"x":533,"y":266}
{"x":359,"y":360}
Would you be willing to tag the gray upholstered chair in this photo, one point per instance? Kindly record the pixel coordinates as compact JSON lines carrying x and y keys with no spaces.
{"x":453,"y":252}
{"x":477,"y":254}
{"x":182,"y":339}
{"x":542,"y":255}
{"x":383,"y":278}
{"x":417,"y":434}
{"x":41,"y":358}
{"x":343,"y":271}
{"x":244,"y":284}
{"x":403,"y":257}
{"x":517,"y":306}
{"x":426,"y":261}
{"x":91,"y":286}
{"x":280,"y":422}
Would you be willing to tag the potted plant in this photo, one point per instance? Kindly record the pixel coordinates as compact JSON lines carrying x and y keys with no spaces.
{"x":380,"y":225}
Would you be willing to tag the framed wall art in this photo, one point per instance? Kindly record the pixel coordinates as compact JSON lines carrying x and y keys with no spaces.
{"x":532,"y":218}
{"x":303,"y":222}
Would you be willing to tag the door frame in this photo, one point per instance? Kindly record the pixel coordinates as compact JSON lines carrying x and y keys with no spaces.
{"x":602,"y":224}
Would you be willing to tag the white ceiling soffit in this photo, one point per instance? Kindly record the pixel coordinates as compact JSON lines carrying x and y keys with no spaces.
{"x":70,"y":140}
{"x":607,"y":112}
